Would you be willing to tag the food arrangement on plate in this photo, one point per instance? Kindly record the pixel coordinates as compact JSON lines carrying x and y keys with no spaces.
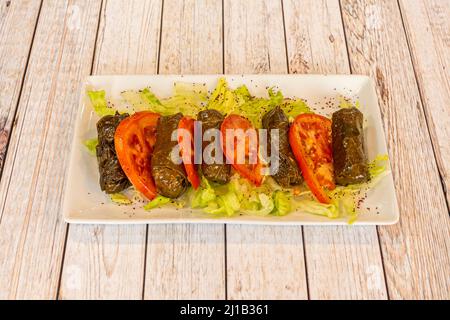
{"x":229,"y":153}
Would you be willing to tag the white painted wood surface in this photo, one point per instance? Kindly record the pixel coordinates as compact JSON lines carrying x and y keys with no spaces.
{"x":17,"y":24}
{"x":105,"y":262}
{"x":415,"y":250}
{"x":385,"y":39}
{"x":188,"y":261}
{"x":32,"y":232}
{"x":427,"y":27}
{"x":342,"y":262}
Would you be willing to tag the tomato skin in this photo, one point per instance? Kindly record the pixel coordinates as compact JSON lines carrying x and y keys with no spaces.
{"x":310,"y":140}
{"x":187,"y":123}
{"x":252,"y":172}
{"x":134,"y":140}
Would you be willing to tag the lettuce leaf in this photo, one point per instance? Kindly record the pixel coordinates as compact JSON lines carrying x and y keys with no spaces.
{"x":293,"y":108}
{"x":240,"y":101}
{"x":120,"y":198}
{"x":187,"y":98}
{"x":99,"y":103}
{"x":203,"y":195}
{"x":190,"y":99}
{"x":91,"y":145}
{"x":242,"y":94}
{"x":282,"y":202}
{"x":156,"y":202}
{"x":347,"y":103}
{"x":345,"y":199}
{"x":150,"y":98}
{"x":265,"y":206}
{"x":317,"y":208}
{"x":378,"y":165}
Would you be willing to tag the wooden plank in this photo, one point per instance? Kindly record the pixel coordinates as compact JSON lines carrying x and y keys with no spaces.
{"x":262,"y":262}
{"x":415,"y":251}
{"x":31,"y":230}
{"x":17,"y":24}
{"x":427,"y":27}
{"x":185,"y":262}
{"x":342,"y":262}
{"x":191,"y":37}
{"x":254,"y":37}
{"x":188,"y":261}
{"x":108,"y":262}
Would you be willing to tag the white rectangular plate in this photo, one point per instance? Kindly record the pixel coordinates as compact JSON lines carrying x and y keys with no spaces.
{"x":84,"y":202}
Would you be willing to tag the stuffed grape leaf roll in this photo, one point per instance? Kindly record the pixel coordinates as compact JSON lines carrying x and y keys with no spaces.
{"x":170,"y":177}
{"x":112,"y":177}
{"x":349,"y":157}
{"x":288,"y":174}
{"x":216,"y":172}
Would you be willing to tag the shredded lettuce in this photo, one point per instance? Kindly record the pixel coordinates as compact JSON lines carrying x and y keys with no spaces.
{"x":230,"y":202}
{"x":282,"y":202}
{"x":120,"y":198}
{"x":317,"y":208}
{"x":187,"y":98}
{"x":242,"y":94}
{"x":239,"y":101}
{"x":241,"y":197}
{"x":91,"y":145}
{"x":99,"y":103}
{"x":345,"y":198}
{"x":293,"y":108}
{"x":378,"y":165}
{"x":238,"y":196}
{"x":264,"y":207}
{"x":156,"y":202}
{"x":347,"y":103}
{"x":347,"y":207}
{"x":150,"y":98}
{"x":217,"y":98}
{"x":221,"y":200}
{"x":203,"y":195}
{"x":135,"y":99}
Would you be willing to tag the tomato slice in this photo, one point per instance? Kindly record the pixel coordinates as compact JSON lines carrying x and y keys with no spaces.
{"x":310,"y":139}
{"x":186,"y":144}
{"x":250,"y":170}
{"x":134,"y":140}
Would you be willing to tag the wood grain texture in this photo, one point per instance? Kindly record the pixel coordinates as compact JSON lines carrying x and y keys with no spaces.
{"x":315,"y":37}
{"x":17,"y":24}
{"x":416,"y":250}
{"x":262,"y":262}
{"x":342,"y":262}
{"x":191,"y":37}
{"x":187,"y":261}
{"x":254,"y":37}
{"x":32,"y":232}
{"x":108,"y":262}
{"x":128,"y":38}
{"x":427,"y":25}
{"x":103,"y":262}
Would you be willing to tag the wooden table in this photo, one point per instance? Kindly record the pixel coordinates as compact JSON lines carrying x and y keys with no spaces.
{"x":48,"y":47}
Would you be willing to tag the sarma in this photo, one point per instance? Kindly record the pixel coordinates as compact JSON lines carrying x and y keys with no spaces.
{"x":288,"y":173}
{"x":216,"y":172}
{"x":112,"y":177}
{"x":170,"y":178}
{"x":349,"y":158}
